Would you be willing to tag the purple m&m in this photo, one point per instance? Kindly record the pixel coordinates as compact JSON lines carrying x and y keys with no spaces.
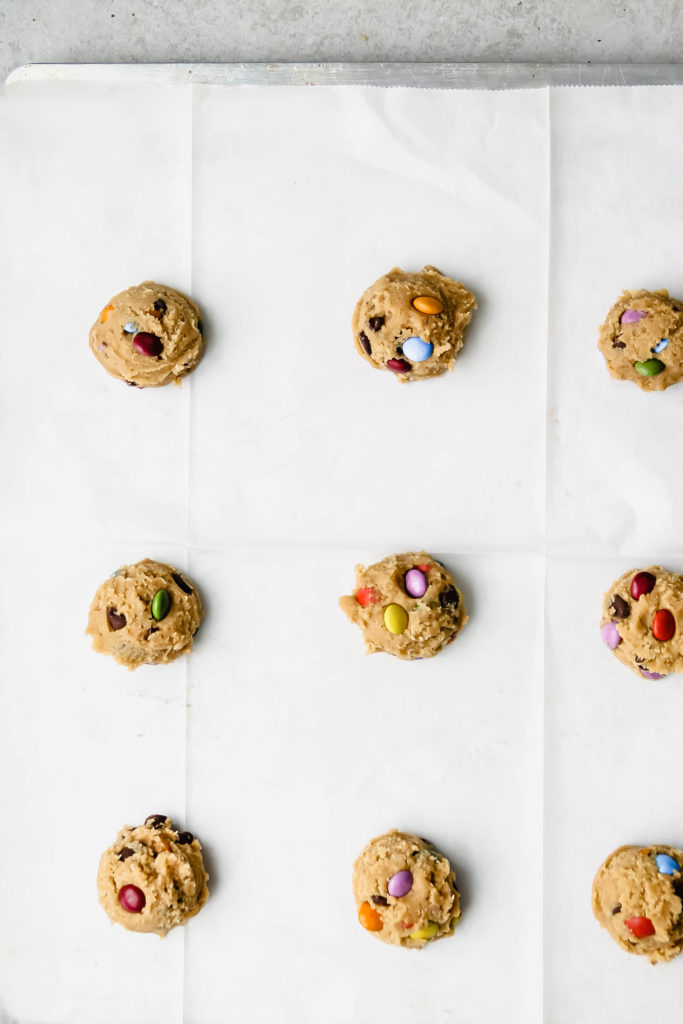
{"x":416,"y":583}
{"x":400,"y":884}
{"x":132,"y":899}
{"x":632,"y":316}
{"x":610,"y":635}
{"x":651,"y":675}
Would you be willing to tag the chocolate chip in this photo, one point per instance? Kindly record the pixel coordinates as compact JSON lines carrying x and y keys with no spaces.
{"x":159,"y":308}
{"x":380,"y":901}
{"x":618,"y":344}
{"x":156,"y":820}
{"x":639,"y":661}
{"x":125,"y":853}
{"x":131,"y":384}
{"x":365,"y":342}
{"x":399,"y":350}
{"x":180,"y":582}
{"x":449,"y":596}
{"x":617,"y":909}
{"x":376,"y":323}
{"x":619,"y":608}
{"x":115,"y":620}
{"x":184,"y":837}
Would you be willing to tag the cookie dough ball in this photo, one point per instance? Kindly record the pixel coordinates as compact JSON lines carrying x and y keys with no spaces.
{"x":642,"y":339}
{"x":406,"y":605}
{"x":412,"y":324}
{"x":637,"y":898}
{"x":642,"y":621}
{"x":148,"y":336}
{"x":152,"y":877}
{"x":145,"y":614}
{"x":405,"y":891}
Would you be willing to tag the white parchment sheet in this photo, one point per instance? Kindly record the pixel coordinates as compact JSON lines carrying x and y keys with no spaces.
{"x":281,"y":462}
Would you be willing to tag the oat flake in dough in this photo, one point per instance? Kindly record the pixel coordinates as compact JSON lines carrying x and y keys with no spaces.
{"x":148,"y":336}
{"x":157,"y":872}
{"x":122,"y":621}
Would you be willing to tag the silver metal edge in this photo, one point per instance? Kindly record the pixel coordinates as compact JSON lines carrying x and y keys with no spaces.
{"x":424,"y":76}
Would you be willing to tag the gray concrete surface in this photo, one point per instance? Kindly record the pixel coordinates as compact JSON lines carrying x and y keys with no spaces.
{"x":104,"y":31}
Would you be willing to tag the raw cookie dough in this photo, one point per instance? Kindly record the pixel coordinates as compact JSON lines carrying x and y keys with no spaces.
{"x":131,"y":619}
{"x":642,"y":339}
{"x":642,"y":621}
{"x":405,"y":891}
{"x":392,"y":333}
{"x":152,"y":877}
{"x":637,"y":898}
{"x":148,"y":336}
{"x":407,"y":605}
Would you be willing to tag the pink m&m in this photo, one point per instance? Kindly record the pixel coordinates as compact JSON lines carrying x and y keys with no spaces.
{"x":400,"y":884}
{"x":632,"y":316}
{"x":132,"y":899}
{"x":610,"y":635}
{"x":416,"y":583}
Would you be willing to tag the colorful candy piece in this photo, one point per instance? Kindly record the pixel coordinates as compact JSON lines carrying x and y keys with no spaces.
{"x":131,"y":327}
{"x":663,"y":625}
{"x":398,"y":366}
{"x":610,"y":635}
{"x":428,"y":304}
{"x":428,"y":932}
{"x":661,"y":345}
{"x":400,"y":884}
{"x":161,"y":604}
{"x":416,"y":583}
{"x":132,"y":899}
{"x":632,"y":316}
{"x":641,"y":927}
{"x":369,"y":918}
{"x":417,"y":350}
{"x":650,"y":368}
{"x":666,"y":865}
{"x":424,"y":568}
{"x":395,"y":618}
{"x":641,"y":584}
{"x":367,"y":595}
{"x":148,"y":344}
{"x":651,"y":675}
{"x":104,"y":315}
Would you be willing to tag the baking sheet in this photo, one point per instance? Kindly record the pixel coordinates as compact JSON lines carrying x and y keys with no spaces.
{"x":280,"y":463}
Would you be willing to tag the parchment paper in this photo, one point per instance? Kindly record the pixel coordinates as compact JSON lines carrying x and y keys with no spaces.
{"x":280,"y":463}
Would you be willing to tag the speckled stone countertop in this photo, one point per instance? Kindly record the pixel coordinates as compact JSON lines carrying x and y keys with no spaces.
{"x":80,"y":31}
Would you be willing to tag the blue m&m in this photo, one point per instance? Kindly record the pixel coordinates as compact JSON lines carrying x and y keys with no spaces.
{"x":417,"y":350}
{"x":666,"y":865}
